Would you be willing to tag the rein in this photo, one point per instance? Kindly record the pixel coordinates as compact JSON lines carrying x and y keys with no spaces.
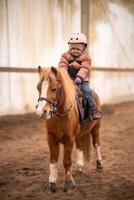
{"x":54,"y":103}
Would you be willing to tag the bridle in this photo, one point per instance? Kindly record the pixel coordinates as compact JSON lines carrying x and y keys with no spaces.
{"x":54,"y":104}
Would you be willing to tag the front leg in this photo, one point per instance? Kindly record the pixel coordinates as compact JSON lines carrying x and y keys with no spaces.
{"x":69,"y":181}
{"x":96,"y":143}
{"x":54,"y":154}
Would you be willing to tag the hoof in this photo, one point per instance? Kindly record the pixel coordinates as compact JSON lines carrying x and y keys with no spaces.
{"x":99,"y":165}
{"x":69,"y":185}
{"x":52,"y":187}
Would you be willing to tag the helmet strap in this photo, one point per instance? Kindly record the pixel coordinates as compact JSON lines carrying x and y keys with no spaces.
{"x":85,"y":46}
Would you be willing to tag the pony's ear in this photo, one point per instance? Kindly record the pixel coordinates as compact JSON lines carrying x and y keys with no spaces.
{"x":54,"y":70}
{"x":39,"y":69}
{"x":56,"y":73}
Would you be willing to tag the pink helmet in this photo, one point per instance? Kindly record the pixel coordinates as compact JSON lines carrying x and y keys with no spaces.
{"x":77,"y":38}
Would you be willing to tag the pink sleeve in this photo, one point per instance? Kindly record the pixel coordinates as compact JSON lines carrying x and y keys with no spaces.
{"x":63,"y":61}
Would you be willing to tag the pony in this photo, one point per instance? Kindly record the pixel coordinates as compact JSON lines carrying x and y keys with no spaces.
{"x":57,"y":105}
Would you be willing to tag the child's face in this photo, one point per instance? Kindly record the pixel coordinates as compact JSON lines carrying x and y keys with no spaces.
{"x":75,"y":51}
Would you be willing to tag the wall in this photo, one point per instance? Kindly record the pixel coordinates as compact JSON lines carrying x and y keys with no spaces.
{"x":35,"y":32}
{"x":32,"y":33}
{"x":111,"y":36}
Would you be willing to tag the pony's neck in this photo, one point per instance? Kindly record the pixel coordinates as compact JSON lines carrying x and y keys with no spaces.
{"x":61,"y":105}
{"x":68,"y":93}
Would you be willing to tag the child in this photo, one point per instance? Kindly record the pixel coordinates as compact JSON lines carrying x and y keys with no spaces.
{"x":78,"y":63}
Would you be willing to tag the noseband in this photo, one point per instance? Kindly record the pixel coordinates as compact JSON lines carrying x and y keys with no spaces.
{"x":54,"y":104}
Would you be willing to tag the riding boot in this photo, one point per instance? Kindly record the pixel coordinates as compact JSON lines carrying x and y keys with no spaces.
{"x":93,"y":112}
{"x":96,"y":114}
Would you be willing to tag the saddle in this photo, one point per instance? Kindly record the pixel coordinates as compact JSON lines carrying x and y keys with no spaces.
{"x":83,"y":106}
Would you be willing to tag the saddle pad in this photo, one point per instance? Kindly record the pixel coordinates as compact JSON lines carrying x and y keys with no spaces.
{"x":83,"y":108}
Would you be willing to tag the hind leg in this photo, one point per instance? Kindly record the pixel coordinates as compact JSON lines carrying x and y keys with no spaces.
{"x":79,"y":154}
{"x":54,"y":154}
{"x":83,"y":147}
{"x":80,"y":160}
{"x":95,"y":132}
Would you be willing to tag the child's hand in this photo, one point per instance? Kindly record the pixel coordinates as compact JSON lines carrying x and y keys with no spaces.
{"x":78,"y":80}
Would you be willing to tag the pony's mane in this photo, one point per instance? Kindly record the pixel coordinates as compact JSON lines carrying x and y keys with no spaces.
{"x":66,"y":82}
{"x":68,"y":86}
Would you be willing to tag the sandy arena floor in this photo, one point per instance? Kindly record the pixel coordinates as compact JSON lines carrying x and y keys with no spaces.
{"x":24,"y":160}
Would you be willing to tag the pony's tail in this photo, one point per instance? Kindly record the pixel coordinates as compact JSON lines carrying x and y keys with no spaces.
{"x":86,"y":146}
{"x":83,"y":143}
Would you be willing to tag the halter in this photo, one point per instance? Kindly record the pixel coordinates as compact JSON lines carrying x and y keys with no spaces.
{"x":54,"y":104}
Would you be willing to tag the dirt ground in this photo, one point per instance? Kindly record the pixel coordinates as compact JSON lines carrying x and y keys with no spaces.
{"x":24,"y":159}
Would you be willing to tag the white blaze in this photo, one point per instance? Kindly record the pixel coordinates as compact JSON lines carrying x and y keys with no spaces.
{"x":53,"y":173}
{"x":41,"y":104}
{"x":44,"y":88}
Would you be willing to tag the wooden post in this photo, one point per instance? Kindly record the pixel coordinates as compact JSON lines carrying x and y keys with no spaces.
{"x":85,"y":7}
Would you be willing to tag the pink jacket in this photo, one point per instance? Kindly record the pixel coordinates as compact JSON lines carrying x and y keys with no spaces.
{"x":83,"y":63}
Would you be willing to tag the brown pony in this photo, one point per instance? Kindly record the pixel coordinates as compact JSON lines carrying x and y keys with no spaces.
{"x":57,"y":104}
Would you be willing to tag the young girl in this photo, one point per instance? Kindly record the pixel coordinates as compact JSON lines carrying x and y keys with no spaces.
{"x":78,"y":63}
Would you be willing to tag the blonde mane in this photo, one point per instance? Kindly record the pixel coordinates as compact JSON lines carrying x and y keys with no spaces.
{"x":69,"y":87}
{"x":66,"y":82}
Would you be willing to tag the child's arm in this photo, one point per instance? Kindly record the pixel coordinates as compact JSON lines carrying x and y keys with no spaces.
{"x":63,"y":61}
{"x":85,"y":68}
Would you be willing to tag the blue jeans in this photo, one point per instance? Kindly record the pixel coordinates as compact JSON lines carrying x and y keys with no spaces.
{"x":84,"y":87}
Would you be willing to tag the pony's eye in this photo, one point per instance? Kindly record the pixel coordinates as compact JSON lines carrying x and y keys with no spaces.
{"x":53,"y":89}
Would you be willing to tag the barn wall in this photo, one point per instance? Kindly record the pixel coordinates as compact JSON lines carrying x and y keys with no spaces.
{"x":32,"y":33}
{"x":111,"y":36}
{"x":35,"y":32}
